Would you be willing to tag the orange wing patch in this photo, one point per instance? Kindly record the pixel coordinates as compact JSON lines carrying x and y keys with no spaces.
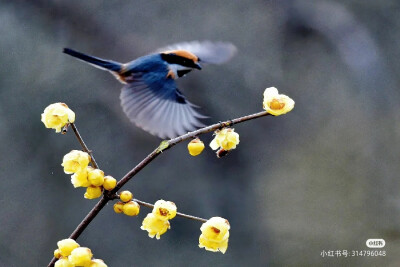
{"x":183,"y":53}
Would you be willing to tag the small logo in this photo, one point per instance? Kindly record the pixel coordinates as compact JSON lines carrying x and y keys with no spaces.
{"x":375,"y":243}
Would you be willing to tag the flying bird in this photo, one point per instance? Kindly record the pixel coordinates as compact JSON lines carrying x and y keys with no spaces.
{"x":150,"y":97}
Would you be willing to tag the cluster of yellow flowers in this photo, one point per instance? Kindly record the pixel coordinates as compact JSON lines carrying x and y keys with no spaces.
{"x":126,"y":205}
{"x":227,"y":139}
{"x":57,"y":115}
{"x":76,"y":162}
{"x":70,"y":254}
{"x":214,"y":235}
{"x":157,"y":223}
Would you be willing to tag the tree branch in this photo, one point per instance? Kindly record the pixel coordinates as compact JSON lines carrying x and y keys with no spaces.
{"x":83,"y":145}
{"x":165,"y":145}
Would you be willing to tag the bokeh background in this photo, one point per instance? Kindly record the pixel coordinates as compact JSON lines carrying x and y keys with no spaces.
{"x":323,"y":177}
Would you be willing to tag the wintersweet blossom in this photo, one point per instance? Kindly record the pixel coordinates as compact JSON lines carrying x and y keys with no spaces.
{"x":226,"y":139}
{"x":154,"y":226}
{"x":75,"y":161}
{"x":215,"y":235}
{"x":57,"y":115}
{"x":93,"y":192}
{"x":81,"y":256}
{"x":164,"y":210}
{"x":80,"y":179}
{"x":64,"y":262}
{"x":275,"y":103}
{"x":65,"y":246}
{"x":97,"y":263}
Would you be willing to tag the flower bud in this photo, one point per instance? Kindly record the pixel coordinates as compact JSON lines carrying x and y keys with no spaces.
{"x":195,"y":147}
{"x":57,"y":254}
{"x":109,"y":183}
{"x":118,"y":207}
{"x":125,"y":196}
{"x":131,"y":208}
{"x":96,"y":177}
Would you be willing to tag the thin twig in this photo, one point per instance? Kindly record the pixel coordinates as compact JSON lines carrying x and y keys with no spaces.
{"x":84,"y":147}
{"x":181,"y":138}
{"x":165,"y":145}
{"x":145,"y":204}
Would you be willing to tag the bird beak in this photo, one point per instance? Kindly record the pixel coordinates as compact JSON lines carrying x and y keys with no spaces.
{"x":197,"y":66}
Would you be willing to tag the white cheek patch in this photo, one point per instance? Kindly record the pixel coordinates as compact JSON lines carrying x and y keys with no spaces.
{"x":178,"y":70}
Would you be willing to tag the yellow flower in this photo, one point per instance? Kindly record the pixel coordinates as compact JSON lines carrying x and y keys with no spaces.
{"x":118,"y":207}
{"x":275,"y":103}
{"x":213,"y":246}
{"x":155,"y":226}
{"x":96,"y":177}
{"x":57,"y":254}
{"x":64,"y":262}
{"x":109,"y":182}
{"x":131,"y":208}
{"x":125,"y":196}
{"x":214,"y":235}
{"x":75,"y":161}
{"x":80,"y":179}
{"x":81,"y":256}
{"x":164,"y":210}
{"x":65,"y":246}
{"x":97,"y":263}
{"x":195,"y":147}
{"x":226,"y":139}
{"x":57,"y":115}
{"x":93,"y":192}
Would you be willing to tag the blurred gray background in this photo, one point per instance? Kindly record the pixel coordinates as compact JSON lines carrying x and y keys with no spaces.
{"x":323,"y":177}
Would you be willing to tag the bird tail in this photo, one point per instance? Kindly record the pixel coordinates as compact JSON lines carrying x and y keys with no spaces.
{"x":95,"y":61}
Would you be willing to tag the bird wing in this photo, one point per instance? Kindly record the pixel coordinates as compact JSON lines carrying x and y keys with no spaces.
{"x":157,"y":106}
{"x":208,"y":52}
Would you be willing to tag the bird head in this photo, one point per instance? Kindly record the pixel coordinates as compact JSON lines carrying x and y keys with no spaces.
{"x":181,"y":58}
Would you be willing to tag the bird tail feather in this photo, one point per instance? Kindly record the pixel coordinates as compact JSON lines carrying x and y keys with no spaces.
{"x":95,"y":61}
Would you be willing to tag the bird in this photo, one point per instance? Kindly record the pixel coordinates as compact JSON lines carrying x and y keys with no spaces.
{"x":150,"y":97}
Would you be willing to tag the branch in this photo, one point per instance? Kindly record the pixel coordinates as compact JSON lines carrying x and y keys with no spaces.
{"x":165,"y":145}
{"x":145,"y":204}
{"x":174,"y":141}
{"x":84,"y":147}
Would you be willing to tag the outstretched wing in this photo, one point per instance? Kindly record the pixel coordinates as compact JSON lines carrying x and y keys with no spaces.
{"x":157,"y":106}
{"x":208,"y":52}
